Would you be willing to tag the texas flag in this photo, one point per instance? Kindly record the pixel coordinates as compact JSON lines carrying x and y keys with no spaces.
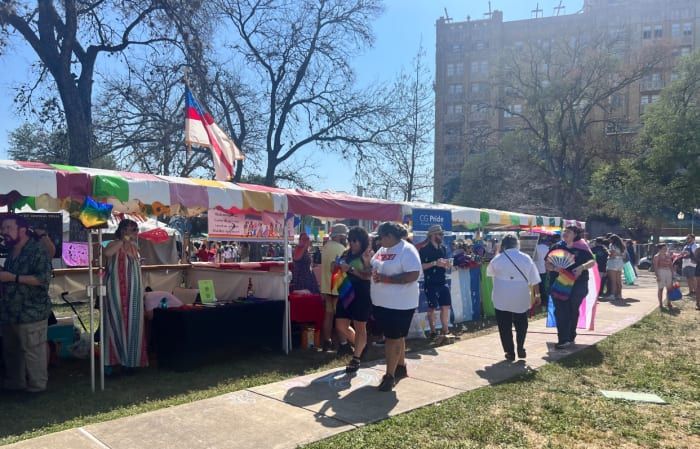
{"x":202,"y":131}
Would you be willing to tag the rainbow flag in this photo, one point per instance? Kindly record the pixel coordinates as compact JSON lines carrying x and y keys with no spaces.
{"x":562,"y":285}
{"x":340,"y":282}
{"x":589,"y":305}
{"x":94,"y":214}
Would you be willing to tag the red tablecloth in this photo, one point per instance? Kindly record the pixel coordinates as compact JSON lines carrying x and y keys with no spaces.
{"x":306,"y":309}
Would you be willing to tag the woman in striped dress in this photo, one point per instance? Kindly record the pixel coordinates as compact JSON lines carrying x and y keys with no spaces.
{"x":124,"y":314}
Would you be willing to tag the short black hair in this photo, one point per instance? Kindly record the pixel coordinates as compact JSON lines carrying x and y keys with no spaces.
{"x":19,"y":220}
{"x":393,"y":229}
{"x":509,"y":241}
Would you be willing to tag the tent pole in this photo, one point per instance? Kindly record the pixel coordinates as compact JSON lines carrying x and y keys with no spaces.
{"x":102,"y":293}
{"x":286,"y":328}
{"x":90,"y":292}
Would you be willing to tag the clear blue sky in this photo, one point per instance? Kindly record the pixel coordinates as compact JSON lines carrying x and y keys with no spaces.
{"x":399,"y":31}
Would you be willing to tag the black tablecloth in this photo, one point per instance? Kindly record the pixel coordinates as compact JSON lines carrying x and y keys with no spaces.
{"x":184,"y":338}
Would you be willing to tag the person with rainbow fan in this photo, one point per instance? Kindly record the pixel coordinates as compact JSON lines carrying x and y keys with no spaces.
{"x":569,"y":262}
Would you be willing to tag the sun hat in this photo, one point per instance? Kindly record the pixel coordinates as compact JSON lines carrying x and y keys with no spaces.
{"x":435,"y":229}
{"x":339,"y":230}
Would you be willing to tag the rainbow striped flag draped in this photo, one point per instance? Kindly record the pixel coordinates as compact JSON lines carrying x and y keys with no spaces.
{"x":589,"y":305}
{"x":340,"y":282}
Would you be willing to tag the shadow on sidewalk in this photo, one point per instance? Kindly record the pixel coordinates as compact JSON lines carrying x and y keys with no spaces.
{"x":352,"y":399}
{"x":504,"y":371}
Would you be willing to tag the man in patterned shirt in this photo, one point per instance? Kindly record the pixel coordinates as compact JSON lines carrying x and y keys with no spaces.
{"x":24,"y":307}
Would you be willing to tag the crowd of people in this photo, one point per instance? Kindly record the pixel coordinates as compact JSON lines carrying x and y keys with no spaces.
{"x":362,"y":280}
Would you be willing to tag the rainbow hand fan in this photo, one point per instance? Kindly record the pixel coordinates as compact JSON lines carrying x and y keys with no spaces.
{"x":562,"y":285}
{"x":561,"y":258}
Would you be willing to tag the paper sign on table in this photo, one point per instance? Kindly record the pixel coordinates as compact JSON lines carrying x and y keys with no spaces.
{"x":206,"y":291}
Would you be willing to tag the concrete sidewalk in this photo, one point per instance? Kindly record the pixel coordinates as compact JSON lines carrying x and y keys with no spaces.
{"x":297,"y":411}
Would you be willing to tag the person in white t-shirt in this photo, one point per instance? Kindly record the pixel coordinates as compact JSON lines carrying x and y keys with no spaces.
{"x":394,"y":291}
{"x":514,"y":274}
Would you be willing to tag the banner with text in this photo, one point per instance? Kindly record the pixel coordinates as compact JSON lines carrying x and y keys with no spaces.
{"x":260,"y":227}
{"x":423,"y":219}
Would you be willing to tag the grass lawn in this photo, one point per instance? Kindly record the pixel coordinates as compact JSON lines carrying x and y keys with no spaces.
{"x":69,"y":402}
{"x":559,"y":406}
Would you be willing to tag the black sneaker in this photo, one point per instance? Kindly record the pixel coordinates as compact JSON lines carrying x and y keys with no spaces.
{"x":509,"y":356}
{"x":327,"y":346}
{"x":387,"y":383}
{"x":400,"y":373}
{"x":353,"y":366}
{"x":521,"y":353}
{"x":564,"y":345}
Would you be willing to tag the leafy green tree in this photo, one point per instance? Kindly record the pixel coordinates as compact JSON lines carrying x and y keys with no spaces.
{"x":663,"y":175}
{"x":31,"y":142}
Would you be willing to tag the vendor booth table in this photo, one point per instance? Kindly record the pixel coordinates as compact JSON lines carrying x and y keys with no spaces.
{"x":185,"y":337}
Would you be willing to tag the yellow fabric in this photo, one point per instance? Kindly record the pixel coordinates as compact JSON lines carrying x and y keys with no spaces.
{"x":258,"y":201}
{"x":330,"y":251}
{"x":208,"y":182}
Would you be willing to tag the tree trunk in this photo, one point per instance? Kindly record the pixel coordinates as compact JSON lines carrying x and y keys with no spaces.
{"x":239,"y":171}
{"x":77,"y":105}
{"x":79,"y":132}
{"x":271,"y":168}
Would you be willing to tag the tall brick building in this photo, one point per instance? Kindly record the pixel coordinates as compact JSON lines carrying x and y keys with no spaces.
{"x":468,"y":54}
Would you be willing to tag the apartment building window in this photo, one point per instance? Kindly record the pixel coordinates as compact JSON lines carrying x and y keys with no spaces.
{"x":455,"y":89}
{"x":456,"y":69}
{"x":685,"y":51}
{"x":453,"y":130}
{"x":455,"y":109}
{"x":451,"y":150}
{"x":675,"y":76}
{"x":479,"y":67}
{"x":481,"y":45}
{"x":652,"y":81}
{"x":676,"y":30}
{"x":687,"y":29}
{"x":658,"y":31}
{"x":646,"y":32}
{"x":479,"y":90}
{"x":456,"y":48}
{"x":616,"y":101}
{"x":513,"y":110}
{"x":646,"y":100}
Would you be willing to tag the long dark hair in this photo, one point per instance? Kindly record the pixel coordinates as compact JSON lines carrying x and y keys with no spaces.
{"x":357,"y":233}
{"x":119,"y":233}
{"x":617,"y":241}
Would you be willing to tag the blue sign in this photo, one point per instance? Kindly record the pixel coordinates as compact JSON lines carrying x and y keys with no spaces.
{"x":423,"y":219}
